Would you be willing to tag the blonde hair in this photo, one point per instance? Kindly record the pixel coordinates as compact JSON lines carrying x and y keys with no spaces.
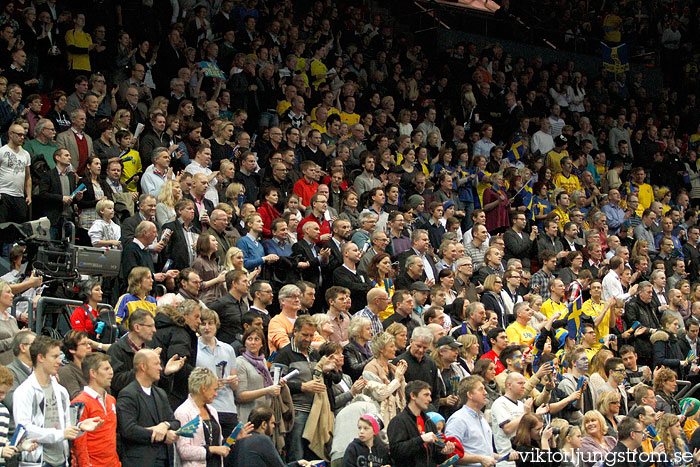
{"x":225,"y":165}
{"x":221,"y":126}
{"x":605,"y":399}
{"x":201,"y":377}
{"x":117,"y":117}
{"x":663,"y":426}
{"x":136,"y":276}
{"x":467,"y":340}
{"x":233,"y":191}
{"x":102,"y":204}
{"x":598,"y":362}
{"x":228,"y":265}
{"x":167,"y":194}
{"x":594,"y":415}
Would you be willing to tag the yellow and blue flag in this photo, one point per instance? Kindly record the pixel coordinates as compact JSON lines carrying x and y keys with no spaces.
{"x":517,"y":150}
{"x":528,"y":197}
{"x":188,"y":430}
{"x":573,"y":318}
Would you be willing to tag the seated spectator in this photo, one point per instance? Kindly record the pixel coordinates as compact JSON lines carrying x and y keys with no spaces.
{"x":54,"y":430}
{"x":145,"y":443}
{"x":136,"y":296}
{"x":338,"y":394}
{"x":21,"y":366}
{"x":206,"y":265}
{"x":176,"y":330}
{"x":8,"y":323}
{"x":665,"y":387}
{"x":104,"y":232}
{"x":595,"y":444}
{"x":100,"y":446}
{"x":90,"y":292}
{"x":96,"y":189}
{"x":258,"y":449}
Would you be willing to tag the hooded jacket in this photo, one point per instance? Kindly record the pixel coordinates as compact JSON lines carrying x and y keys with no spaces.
{"x":358,"y":454}
{"x":667,"y":350}
{"x":180,"y":340}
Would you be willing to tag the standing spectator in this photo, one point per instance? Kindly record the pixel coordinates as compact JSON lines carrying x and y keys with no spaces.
{"x":8,"y":323}
{"x":100,"y":446}
{"x":15,"y":179}
{"x":357,"y":352}
{"x":78,"y":143}
{"x":11,"y":107}
{"x":76,"y":346}
{"x":181,"y":244}
{"x":205,"y":447}
{"x":420,"y":365}
{"x":297,"y":355}
{"x":56,"y":192}
{"x":231,"y":307}
{"x":43,"y":145}
{"x":251,"y":246}
{"x":21,"y":366}
{"x":158,"y":173}
{"x":41,"y":405}
{"x":410,"y":445}
{"x":281,"y":326}
{"x":176,"y":334}
{"x":145,"y":419}
{"x":207,"y":266}
{"x":347,"y":275}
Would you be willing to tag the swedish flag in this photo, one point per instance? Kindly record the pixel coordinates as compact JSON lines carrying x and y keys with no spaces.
{"x":517,"y":150}
{"x":573,"y":318}
{"x":691,"y":356}
{"x":528,"y":197}
{"x":188,"y":430}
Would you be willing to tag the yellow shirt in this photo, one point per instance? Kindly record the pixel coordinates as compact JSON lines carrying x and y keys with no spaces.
{"x":349,"y":119}
{"x":388,"y":286}
{"x":690,"y":427}
{"x":131,"y":168}
{"x":283,"y":106}
{"x":549,"y":308}
{"x":78,"y":39}
{"x":594,"y":310}
{"x":316,"y":126}
{"x":645,"y":194}
{"x":554,"y":160}
{"x":519,"y":334}
{"x":570,"y":183}
{"x":563,"y":217}
{"x":319,"y":70}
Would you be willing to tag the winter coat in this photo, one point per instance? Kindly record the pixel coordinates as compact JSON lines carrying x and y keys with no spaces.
{"x":180,"y":340}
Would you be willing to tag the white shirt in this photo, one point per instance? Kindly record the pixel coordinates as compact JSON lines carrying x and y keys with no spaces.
{"x":13,"y":167}
{"x":612,"y":287}
{"x":503,"y":411}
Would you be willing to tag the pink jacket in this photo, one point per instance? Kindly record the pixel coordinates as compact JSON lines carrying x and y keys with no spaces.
{"x":190,"y":452}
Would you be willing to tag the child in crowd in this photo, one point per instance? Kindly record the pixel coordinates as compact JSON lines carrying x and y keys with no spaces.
{"x":367,"y":449}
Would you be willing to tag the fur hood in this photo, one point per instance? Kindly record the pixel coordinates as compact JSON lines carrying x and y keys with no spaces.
{"x":659,"y":336}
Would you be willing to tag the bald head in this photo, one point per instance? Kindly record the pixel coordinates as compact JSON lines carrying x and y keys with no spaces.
{"x":142,"y":358}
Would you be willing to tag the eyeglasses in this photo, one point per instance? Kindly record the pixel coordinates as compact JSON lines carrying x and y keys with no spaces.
{"x":22,"y":135}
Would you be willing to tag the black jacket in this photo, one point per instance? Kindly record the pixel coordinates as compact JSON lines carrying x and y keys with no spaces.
{"x":667,"y":351}
{"x":358,"y":284}
{"x":354,"y":361}
{"x":180,"y":340}
{"x":357,"y":454}
{"x":51,"y":195}
{"x":637,"y":310}
{"x":230,"y":314}
{"x":517,"y":247}
{"x":301,"y":252}
{"x":208,"y":206}
{"x":133,"y":256}
{"x":89,"y":200}
{"x":122,"y":360}
{"x":405,"y":442}
{"x":176,"y":248}
{"x":402,"y":262}
{"x":135,"y":413}
{"x":148,"y":142}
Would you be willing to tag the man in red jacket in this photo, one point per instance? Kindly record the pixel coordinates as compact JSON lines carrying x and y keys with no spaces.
{"x":98,"y":448}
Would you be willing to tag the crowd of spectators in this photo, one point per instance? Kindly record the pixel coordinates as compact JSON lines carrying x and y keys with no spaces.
{"x":350,"y":246}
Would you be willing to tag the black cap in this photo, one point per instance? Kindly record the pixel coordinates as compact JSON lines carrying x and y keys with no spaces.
{"x":420,"y":287}
{"x":448,"y":340}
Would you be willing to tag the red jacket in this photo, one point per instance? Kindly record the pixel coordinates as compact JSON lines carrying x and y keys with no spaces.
{"x":268,"y":214}
{"x":80,"y":321}
{"x":98,"y":448}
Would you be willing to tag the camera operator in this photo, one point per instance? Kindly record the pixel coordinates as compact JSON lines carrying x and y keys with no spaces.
{"x":29,"y":286}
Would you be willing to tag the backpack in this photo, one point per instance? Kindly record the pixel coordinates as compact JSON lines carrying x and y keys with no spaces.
{"x":107,"y":330}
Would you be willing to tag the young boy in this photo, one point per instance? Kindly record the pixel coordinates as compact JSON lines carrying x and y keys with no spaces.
{"x":367,"y":448}
{"x":104,"y":232}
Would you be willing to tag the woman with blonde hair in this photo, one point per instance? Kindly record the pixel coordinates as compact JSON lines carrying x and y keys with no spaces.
{"x":234,"y":192}
{"x":595,"y":444}
{"x":469,"y":352}
{"x":324,"y":329}
{"x":234,"y":262}
{"x":206,"y":264}
{"x":227,"y":170}
{"x":221,"y":148}
{"x":170,"y":193}
{"x":609,"y":406}
{"x":400,"y":333}
{"x":160,"y":103}
{"x":669,"y":429}
{"x":385,"y":381}
{"x":136,"y":296}
{"x":598,"y":378}
{"x":8,"y":323}
{"x":569,"y":444}
{"x":122,"y":120}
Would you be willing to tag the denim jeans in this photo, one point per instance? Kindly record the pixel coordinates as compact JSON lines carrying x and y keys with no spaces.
{"x":268,"y":119}
{"x":295,"y":443}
